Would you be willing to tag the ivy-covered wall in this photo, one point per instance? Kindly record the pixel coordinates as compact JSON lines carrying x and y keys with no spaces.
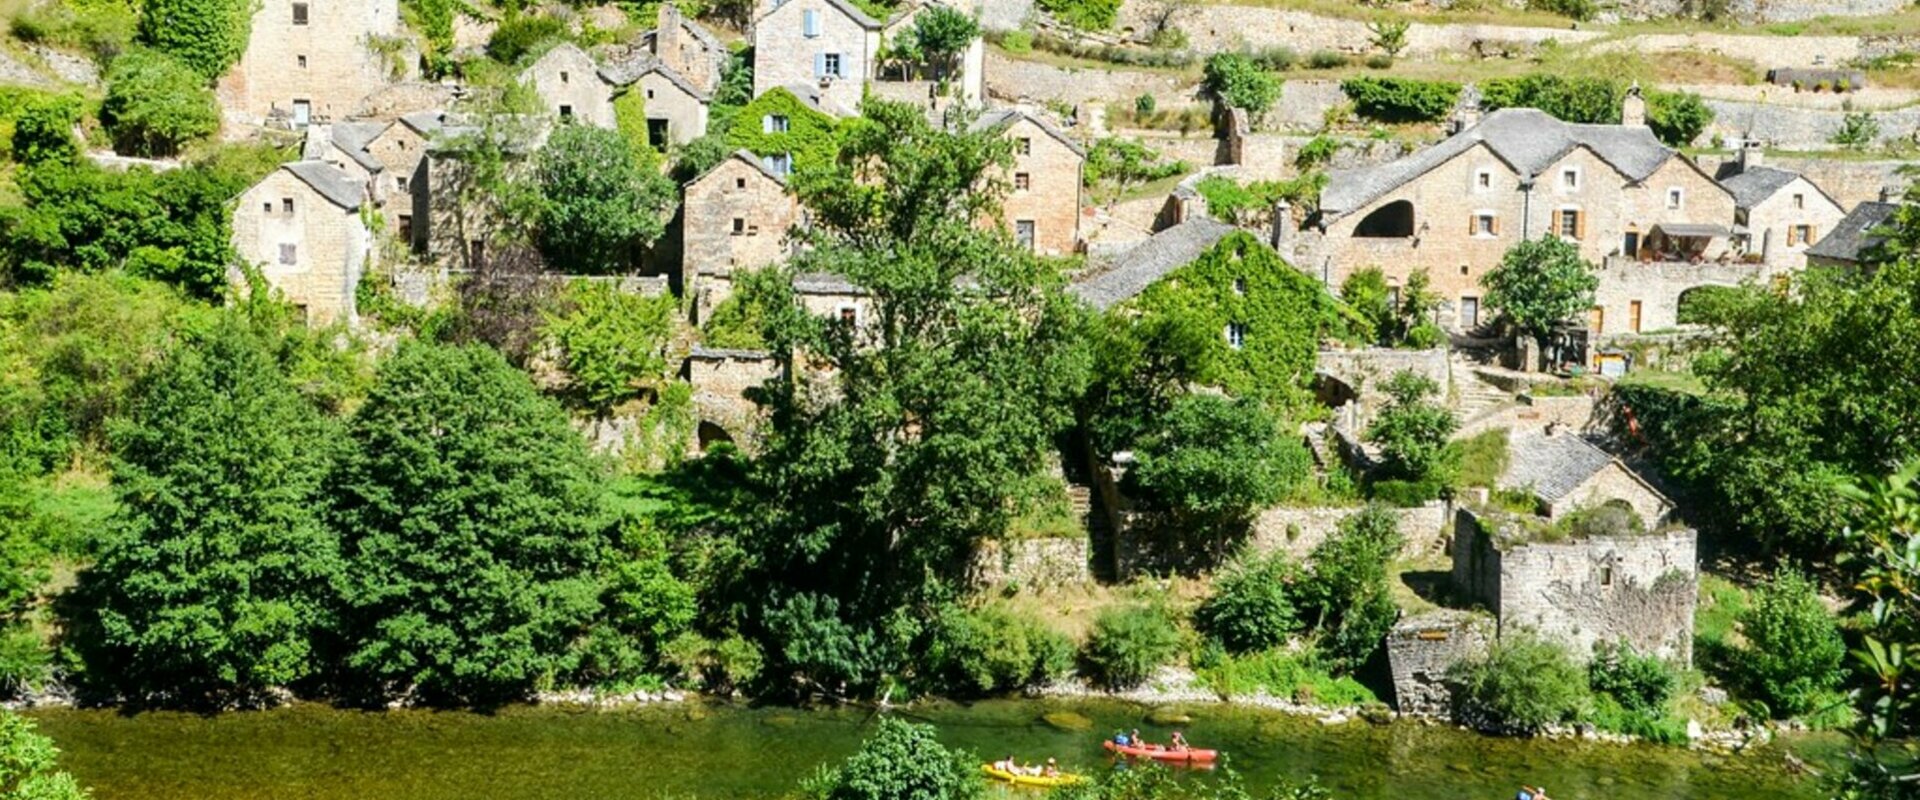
{"x":1282,"y":315}
{"x":810,"y":134}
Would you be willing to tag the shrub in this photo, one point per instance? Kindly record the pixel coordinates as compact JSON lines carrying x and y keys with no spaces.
{"x":1379,"y":61}
{"x":1127,"y":644}
{"x":1125,"y":161}
{"x":1793,"y":655}
{"x":1677,"y":118}
{"x":1316,"y":153}
{"x":1412,"y":431}
{"x":597,"y":203}
{"x":901,"y":761}
{"x":1401,"y":99}
{"x":612,"y":343}
{"x":1299,"y":676}
{"x":990,"y":650}
{"x":1089,"y":15}
{"x":1144,"y":105}
{"x":1346,"y":595}
{"x":154,"y":104}
{"x":1588,"y":100}
{"x":718,"y":666}
{"x":1251,"y":607}
{"x":208,"y":35}
{"x":1237,"y":81}
{"x":1522,"y":684}
{"x":1582,"y":10}
{"x":1278,"y":58}
{"x":1639,"y":682}
{"x":1213,"y":458}
{"x":1327,"y":59}
{"x":1017,"y":41}
{"x":1857,"y":130}
{"x":1482,"y":459}
{"x":1425,"y":336}
{"x":520,"y":34}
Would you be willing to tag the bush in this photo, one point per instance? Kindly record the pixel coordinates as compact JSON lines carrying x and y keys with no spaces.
{"x":1677,"y":118}
{"x":520,"y":34}
{"x":1144,"y":105}
{"x":1522,"y":684}
{"x":1412,"y":431}
{"x":1017,"y":41}
{"x":719,"y":666}
{"x":1214,"y":458}
{"x":1127,"y":644}
{"x":1237,"y":81}
{"x":1793,"y":655}
{"x":1587,"y":100}
{"x":1252,"y":606}
{"x":1346,"y":595}
{"x":1640,"y":683}
{"x":992,"y":650}
{"x":901,"y":761}
{"x":1327,"y":59}
{"x":1277,"y":58}
{"x":208,"y":35}
{"x":1582,"y":10}
{"x":612,"y":343}
{"x":1379,"y":61}
{"x":1088,"y":15}
{"x":1299,"y":676}
{"x":1125,"y":161}
{"x":1401,"y":99}
{"x":1316,"y":153}
{"x":155,"y":104}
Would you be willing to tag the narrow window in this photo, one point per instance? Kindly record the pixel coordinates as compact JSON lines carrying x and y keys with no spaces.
{"x":299,"y":13}
{"x":774,"y":123}
{"x":1570,"y":178}
{"x":1799,"y":201}
{"x":400,"y":183}
{"x":649,"y":94}
{"x":1483,"y":179}
{"x":286,"y":205}
{"x":1023,"y":146}
{"x":739,"y":226}
{"x":564,"y":76}
{"x":476,"y":253}
{"x":1483,"y":225}
{"x":289,"y":254}
{"x":1570,"y":224}
{"x":1022,"y":181}
{"x":1606,"y":576}
{"x":1240,"y":286}
{"x":406,"y":227}
{"x":809,"y":23}
{"x":266,"y":207}
{"x":1463,"y":269}
{"x":1673,"y":198}
{"x":739,"y":183}
{"x":1236,"y":335}
{"x":300,"y":61}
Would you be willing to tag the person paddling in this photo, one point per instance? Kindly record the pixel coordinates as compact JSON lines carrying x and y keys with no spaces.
{"x":1179,"y":742}
{"x":1053,"y":769}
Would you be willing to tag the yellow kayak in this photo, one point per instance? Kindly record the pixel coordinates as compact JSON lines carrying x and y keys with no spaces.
{"x":1062,"y":779}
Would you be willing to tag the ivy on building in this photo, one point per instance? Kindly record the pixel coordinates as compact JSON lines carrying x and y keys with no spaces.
{"x":778,"y":123}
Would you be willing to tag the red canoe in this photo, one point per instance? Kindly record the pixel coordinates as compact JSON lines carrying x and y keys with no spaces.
{"x":1161,"y":753}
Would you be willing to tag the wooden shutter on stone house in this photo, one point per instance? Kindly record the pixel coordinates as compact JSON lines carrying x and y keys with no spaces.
{"x":1555,"y":227}
{"x":1580,"y":225}
{"x":1496,"y":224}
{"x":1473,"y":223}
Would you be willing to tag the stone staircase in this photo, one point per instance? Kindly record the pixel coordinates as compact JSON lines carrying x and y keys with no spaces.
{"x":1475,"y":398}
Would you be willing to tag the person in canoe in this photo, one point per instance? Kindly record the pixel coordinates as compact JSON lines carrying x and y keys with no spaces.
{"x":1008,"y":766}
{"x":1532,"y":793}
{"x":1178,"y":743}
{"x":1052,"y":769}
{"x":1138,"y":741}
{"x":1121,"y":738}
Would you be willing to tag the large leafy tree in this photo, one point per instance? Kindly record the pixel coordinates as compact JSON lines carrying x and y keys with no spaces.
{"x":214,"y":581}
{"x":207,"y":35}
{"x":901,"y":761}
{"x":28,"y":768}
{"x":1541,"y":283}
{"x":1214,"y":459}
{"x":155,"y":103}
{"x":598,"y":205}
{"x":881,"y":474}
{"x":471,"y":517}
{"x":1412,"y":431}
{"x":612,"y":343}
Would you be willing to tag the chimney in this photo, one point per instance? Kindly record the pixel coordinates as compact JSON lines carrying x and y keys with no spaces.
{"x":1751,"y":154}
{"x":1633,"y":108}
{"x":1467,"y":113}
{"x":1886,"y":194}
{"x":1282,"y":225}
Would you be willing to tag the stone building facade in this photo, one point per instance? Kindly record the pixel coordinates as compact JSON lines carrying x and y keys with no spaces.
{"x":826,"y":43}
{"x":1042,"y":208}
{"x":310,"y":61}
{"x":738,"y":216}
{"x":1640,"y":589}
{"x":1455,"y":209}
{"x":687,"y":48}
{"x":720,"y":380}
{"x":571,"y":86}
{"x":1783,"y":212}
{"x":676,"y":109}
{"x":1420,"y":651}
{"x":389,"y":158}
{"x":1564,"y":472}
{"x":301,"y":226}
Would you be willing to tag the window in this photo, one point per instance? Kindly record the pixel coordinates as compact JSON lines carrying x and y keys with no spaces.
{"x":1022,"y":181}
{"x":563,"y":76}
{"x":774,"y":123}
{"x":566,"y":111}
{"x":649,"y":94}
{"x":830,"y":65}
{"x":1606,"y":576}
{"x":1799,"y":235}
{"x":739,"y":226}
{"x":1023,"y":233}
{"x":302,"y":113}
{"x":1568,"y":224}
{"x":476,"y":252}
{"x":1236,"y":334}
{"x":1799,"y":201}
{"x":1483,"y":225}
{"x":1023,"y":146}
{"x":289,"y":254}
{"x":809,"y":23}
{"x":300,"y":61}
{"x":739,"y":183}
{"x":406,"y":227}
{"x":266,"y":207}
{"x":1240,"y":286}
{"x":1483,"y":180}
{"x":657,"y":135}
{"x":299,"y":13}
{"x":849,"y":315}
{"x":1570,"y":178}
{"x":1674,"y":196}
{"x":1464,"y":269}
{"x":400,"y":182}
{"x":780,"y":164}
{"x":1633,"y":316}
{"x":286,"y":205}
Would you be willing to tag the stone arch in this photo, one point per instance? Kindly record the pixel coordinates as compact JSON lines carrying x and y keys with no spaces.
{"x":711,"y":434}
{"x":1692,"y":294}
{"x":1391,"y":221}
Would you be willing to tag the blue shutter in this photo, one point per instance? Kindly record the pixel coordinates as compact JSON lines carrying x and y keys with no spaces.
{"x":810,"y":22}
{"x":819,"y":65}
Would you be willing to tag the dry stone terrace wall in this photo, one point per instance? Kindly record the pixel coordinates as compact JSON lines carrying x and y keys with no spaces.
{"x":1801,"y":128}
{"x":1296,"y":531}
{"x":1013,"y":80}
{"x":1849,"y":183}
{"x":1032,"y":563}
{"x":1764,"y":10}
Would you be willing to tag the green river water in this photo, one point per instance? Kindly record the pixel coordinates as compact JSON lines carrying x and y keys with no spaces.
{"x":731,"y":751}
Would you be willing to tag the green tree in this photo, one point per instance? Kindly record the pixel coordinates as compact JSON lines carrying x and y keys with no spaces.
{"x":1541,"y":283}
{"x":612,"y":343}
{"x":1523,"y":684}
{"x":1237,"y":81}
{"x":900,"y":761}
{"x":1127,"y":644}
{"x":155,"y":104}
{"x":740,"y":321}
{"x":1857,"y":131}
{"x":1365,"y":291}
{"x":1401,"y":99}
{"x":214,"y":581}
{"x":1588,"y":100}
{"x":1346,"y":595}
{"x":1252,"y":606}
{"x":646,"y":607}
{"x":940,"y":400}
{"x":1793,"y":655}
{"x":1677,"y":118}
{"x":471,"y":517}
{"x":28,"y":769}
{"x":597,"y":205}
{"x":1214,"y":459}
{"x":24,"y":548}
{"x":1881,"y":551}
{"x":939,"y":35}
{"x":207,"y":35}
{"x":1412,"y":431}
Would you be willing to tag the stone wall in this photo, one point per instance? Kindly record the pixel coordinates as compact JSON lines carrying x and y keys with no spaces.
{"x":1420,"y":650}
{"x":1849,"y":183}
{"x":1050,"y":200}
{"x":1763,"y":10}
{"x":1016,"y":81}
{"x":1768,"y":51}
{"x":1640,"y":589}
{"x":737,"y":218}
{"x":1655,"y":289}
{"x":1213,"y":28}
{"x":1576,"y":412}
{"x":1366,"y":370}
{"x":404,"y":98}
{"x":313,"y":52}
{"x":1298,"y":530}
{"x":1800,"y":128}
{"x":720,"y":380}
{"x":1032,"y":563}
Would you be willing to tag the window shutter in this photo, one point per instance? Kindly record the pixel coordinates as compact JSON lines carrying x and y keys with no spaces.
{"x":1813,"y":234}
{"x":1579,"y":226}
{"x":766,"y":123}
{"x":1473,"y":224}
{"x":819,"y":65}
{"x":810,"y":22}
{"x":1555,"y":227}
{"x":1496,"y":224}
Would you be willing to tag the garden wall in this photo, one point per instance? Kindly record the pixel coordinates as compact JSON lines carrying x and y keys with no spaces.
{"x":1031,"y":563}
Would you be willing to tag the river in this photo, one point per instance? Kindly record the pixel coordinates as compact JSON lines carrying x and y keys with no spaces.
{"x":701,"y":751}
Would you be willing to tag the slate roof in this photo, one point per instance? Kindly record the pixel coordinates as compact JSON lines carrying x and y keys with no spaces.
{"x":810,"y":94}
{"x":626,"y":72}
{"x":1551,"y":466}
{"x":854,"y":12}
{"x":1754,"y":185}
{"x":1852,"y":239}
{"x":427,"y":123}
{"x":717,"y":353}
{"x":1150,"y":261}
{"x":825,"y":283}
{"x":331,"y":182}
{"x":353,"y":137}
{"x":1526,"y":139}
{"x":750,"y":158}
{"x":1002,"y":117}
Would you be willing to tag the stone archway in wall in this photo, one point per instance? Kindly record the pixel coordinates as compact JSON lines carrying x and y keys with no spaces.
{"x":1391,"y":221}
{"x":1693,"y":294}
{"x":711,"y":434}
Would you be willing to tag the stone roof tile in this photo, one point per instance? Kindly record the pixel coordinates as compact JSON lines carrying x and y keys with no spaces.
{"x":1752,"y":186}
{"x":1150,"y":261}
{"x":1002,"y":117}
{"x":330,"y":181}
{"x":1552,"y":466}
{"x":1853,"y":239}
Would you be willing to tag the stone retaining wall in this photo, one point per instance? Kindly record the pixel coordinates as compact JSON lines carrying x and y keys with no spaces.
{"x":1032,"y":563}
{"x":1800,"y":128}
{"x":1012,"y":80}
{"x":1420,"y":650}
{"x":1296,"y":531}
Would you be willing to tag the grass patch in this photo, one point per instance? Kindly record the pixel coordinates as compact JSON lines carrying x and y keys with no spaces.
{"x":1298,"y":675}
{"x":1662,"y":379}
{"x":1482,"y":458}
{"x":1046,"y":512}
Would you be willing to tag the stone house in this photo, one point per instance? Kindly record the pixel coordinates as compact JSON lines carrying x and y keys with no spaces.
{"x":830,"y":44}
{"x":1043,"y":201}
{"x":1581,"y":590}
{"x":302,"y":227}
{"x":687,"y":48}
{"x":572,"y":86}
{"x":389,"y":157}
{"x":1420,"y":651}
{"x":1782,"y":212}
{"x":968,"y":78}
{"x":1564,"y":471}
{"x":457,"y":221}
{"x":676,"y":109}
{"x":1455,"y":209}
{"x":737,"y":217}
{"x":834,"y":297}
{"x":311,"y":62}
{"x":1852,"y":242}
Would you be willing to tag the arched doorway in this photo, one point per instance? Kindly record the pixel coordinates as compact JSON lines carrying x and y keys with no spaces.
{"x":1391,"y":221}
{"x":710,"y":435}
